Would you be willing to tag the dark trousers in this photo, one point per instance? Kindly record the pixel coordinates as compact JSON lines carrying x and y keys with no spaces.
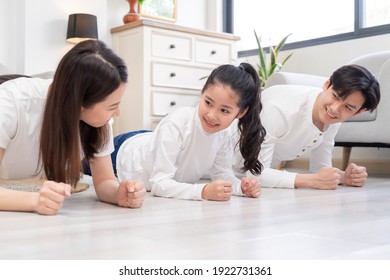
{"x":118,"y":141}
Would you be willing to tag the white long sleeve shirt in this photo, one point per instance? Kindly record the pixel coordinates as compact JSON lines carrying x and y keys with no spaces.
{"x":287,"y":117}
{"x":22,"y":103}
{"x":173,"y":158}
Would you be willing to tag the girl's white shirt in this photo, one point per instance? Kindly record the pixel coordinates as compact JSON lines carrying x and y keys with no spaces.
{"x":22,"y":103}
{"x":172,"y":159}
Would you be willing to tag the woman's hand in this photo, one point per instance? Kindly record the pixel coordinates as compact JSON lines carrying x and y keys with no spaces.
{"x":250,"y":187}
{"x":51,"y":196}
{"x":217,"y":190}
{"x":131,"y":194}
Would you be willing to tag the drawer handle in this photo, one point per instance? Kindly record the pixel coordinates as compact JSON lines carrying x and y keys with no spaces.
{"x":173,"y":74}
{"x":172,"y":46}
{"x":173,"y":103}
{"x":213,"y":52}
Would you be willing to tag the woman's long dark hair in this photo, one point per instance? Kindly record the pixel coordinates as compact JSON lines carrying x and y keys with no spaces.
{"x":86,"y":75}
{"x":245,"y":82}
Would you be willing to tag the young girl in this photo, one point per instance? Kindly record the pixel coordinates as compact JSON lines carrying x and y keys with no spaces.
{"x":48,"y":126}
{"x":192,"y":141}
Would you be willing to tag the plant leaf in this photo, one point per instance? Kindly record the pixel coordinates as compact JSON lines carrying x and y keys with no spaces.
{"x":273,"y":68}
{"x":262,"y":59}
{"x":265,"y":70}
{"x":281,"y":43}
{"x":284,"y":60}
{"x":273,"y":55}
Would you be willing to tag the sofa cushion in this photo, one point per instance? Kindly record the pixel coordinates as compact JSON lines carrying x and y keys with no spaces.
{"x":364,"y":117}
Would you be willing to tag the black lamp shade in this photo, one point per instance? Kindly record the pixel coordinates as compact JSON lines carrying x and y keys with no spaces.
{"x":81,"y":27}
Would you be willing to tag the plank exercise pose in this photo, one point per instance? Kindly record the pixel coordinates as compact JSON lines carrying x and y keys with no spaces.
{"x":301,"y":119}
{"x":48,"y":126}
{"x":192,"y":141}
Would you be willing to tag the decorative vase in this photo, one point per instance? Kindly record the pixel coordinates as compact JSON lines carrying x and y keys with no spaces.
{"x":132,"y":15}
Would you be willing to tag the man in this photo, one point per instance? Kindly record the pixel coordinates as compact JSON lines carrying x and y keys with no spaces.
{"x":301,"y":119}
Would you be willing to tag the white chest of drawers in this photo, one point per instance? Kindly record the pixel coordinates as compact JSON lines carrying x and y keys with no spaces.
{"x":166,"y":64}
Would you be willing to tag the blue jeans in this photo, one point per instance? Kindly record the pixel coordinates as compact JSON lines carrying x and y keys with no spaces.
{"x":118,"y":141}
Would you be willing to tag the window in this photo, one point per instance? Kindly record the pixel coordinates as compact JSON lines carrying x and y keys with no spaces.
{"x":310,"y":22}
{"x":376,"y":12}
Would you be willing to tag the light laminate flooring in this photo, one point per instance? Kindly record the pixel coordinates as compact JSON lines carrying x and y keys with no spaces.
{"x":283,"y":224}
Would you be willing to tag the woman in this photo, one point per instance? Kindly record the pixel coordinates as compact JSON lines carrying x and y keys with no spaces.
{"x":47,"y":127}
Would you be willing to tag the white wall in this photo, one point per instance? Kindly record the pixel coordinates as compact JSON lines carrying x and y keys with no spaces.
{"x":12,"y":35}
{"x":46,"y":27}
{"x":324,"y":59}
{"x":36,"y":31}
{"x":33,"y":32}
{"x":189,"y":13}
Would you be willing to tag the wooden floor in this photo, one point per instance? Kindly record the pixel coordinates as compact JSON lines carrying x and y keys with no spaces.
{"x":347,"y":223}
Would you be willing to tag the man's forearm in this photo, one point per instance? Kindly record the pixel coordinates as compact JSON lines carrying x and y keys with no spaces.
{"x":327,"y":178}
{"x":306,"y":181}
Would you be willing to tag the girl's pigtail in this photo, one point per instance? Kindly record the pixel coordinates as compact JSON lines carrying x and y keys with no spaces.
{"x":252,"y":132}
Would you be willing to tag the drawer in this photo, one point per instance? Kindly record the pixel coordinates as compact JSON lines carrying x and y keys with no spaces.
{"x":165,"y":102}
{"x":179,"y":76}
{"x":212,"y":52}
{"x":173,"y":47}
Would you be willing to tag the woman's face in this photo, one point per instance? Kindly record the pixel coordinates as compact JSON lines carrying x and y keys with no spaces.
{"x":100,"y":113}
{"x":218,"y":108}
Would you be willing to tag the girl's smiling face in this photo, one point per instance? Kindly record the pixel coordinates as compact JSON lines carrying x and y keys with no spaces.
{"x":218,"y":108}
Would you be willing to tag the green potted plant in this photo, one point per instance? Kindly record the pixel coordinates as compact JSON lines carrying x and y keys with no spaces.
{"x":266,"y":69}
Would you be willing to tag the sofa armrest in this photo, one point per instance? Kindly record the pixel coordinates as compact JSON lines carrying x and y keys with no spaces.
{"x":289,"y":78}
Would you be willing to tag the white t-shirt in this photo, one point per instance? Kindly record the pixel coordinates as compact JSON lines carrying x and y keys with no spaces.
{"x":22,"y":103}
{"x":173,"y":158}
{"x":287,"y":118}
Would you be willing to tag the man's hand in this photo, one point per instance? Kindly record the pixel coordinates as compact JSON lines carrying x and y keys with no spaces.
{"x":355,"y":175}
{"x":51,"y":196}
{"x":220,"y":190}
{"x":250,"y":187}
{"x":327,"y":178}
{"x":131,"y":194}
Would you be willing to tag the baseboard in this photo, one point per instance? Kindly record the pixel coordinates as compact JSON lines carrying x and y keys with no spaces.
{"x":374,"y":167}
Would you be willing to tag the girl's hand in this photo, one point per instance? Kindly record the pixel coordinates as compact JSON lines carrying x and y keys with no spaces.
{"x":131,"y":194}
{"x":219,"y":190}
{"x":51,"y":196}
{"x":251,"y":187}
